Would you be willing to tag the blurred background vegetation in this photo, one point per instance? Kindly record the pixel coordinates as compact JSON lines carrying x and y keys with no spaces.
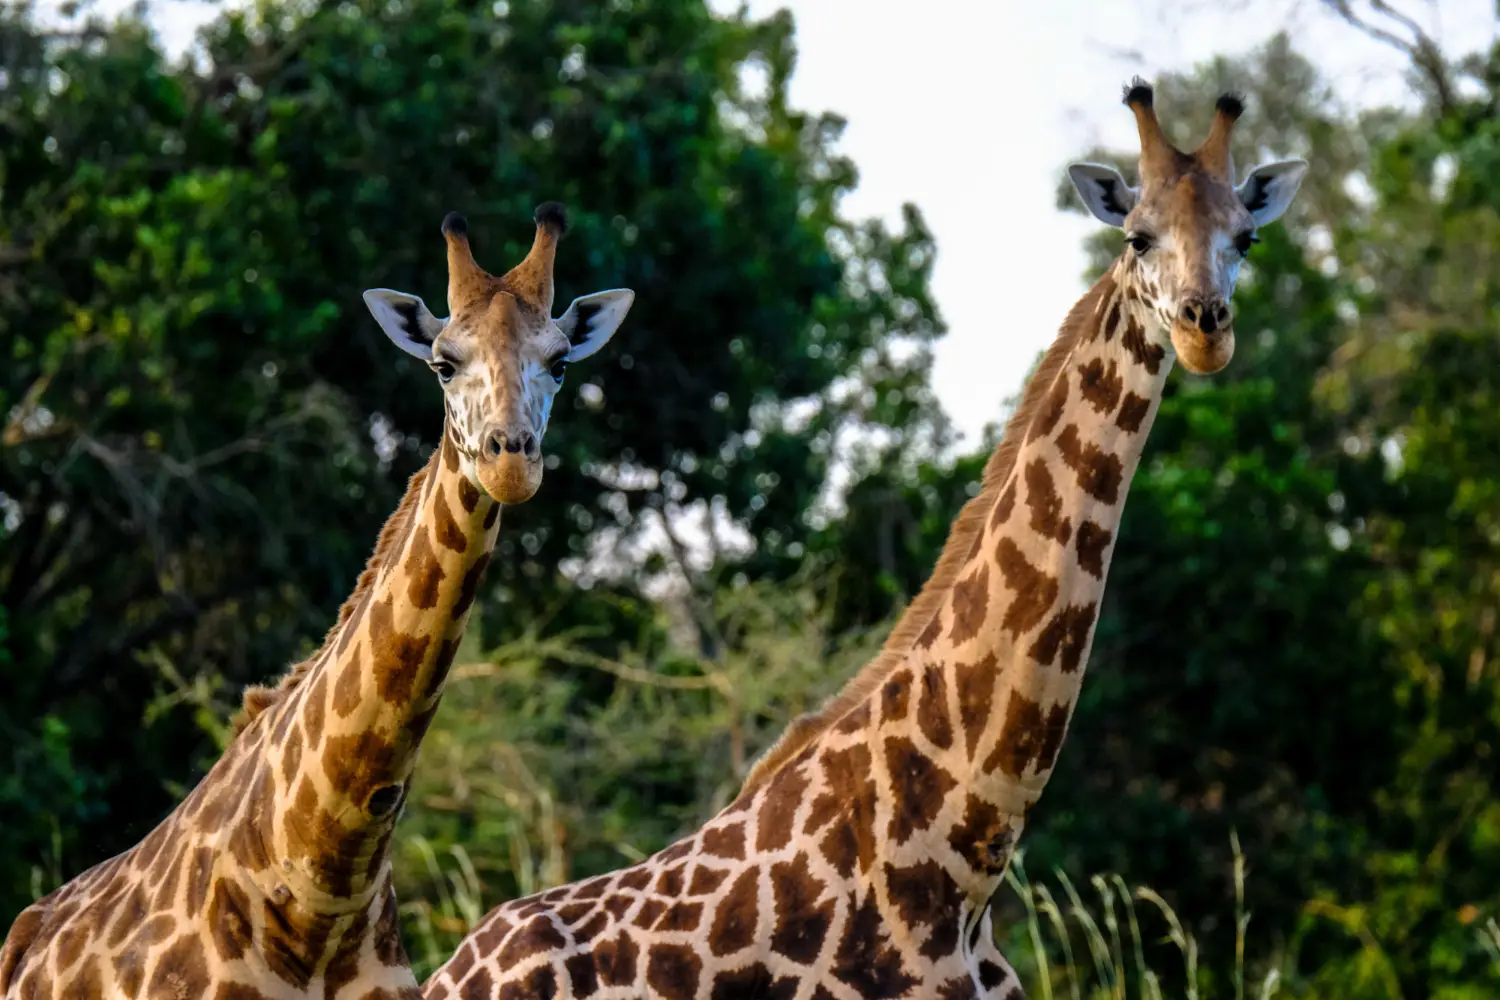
{"x":1293,"y":705}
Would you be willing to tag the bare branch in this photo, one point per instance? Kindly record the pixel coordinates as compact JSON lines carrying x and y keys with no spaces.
{"x":1423,"y":51}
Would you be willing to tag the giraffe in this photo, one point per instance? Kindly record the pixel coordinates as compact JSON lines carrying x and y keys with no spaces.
{"x":863,"y":850}
{"x":272,"y":879}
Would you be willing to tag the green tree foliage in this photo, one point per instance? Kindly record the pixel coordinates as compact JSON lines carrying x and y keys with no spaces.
{"x":204,"y":428}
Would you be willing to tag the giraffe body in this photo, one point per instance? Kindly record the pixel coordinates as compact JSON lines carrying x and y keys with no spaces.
{"x":860,"y":858}
{"x":272,"y":879}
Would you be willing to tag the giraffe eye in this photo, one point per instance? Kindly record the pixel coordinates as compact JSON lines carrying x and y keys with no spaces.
{"x":1139,"y":242}
{"x":559,"y":369}
{"x":1244,"y":241}
{"x":444,"y":369}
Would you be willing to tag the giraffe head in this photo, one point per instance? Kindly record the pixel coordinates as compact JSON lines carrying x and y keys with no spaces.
{"x":1187,"y":227}
{"x":500,"y":356}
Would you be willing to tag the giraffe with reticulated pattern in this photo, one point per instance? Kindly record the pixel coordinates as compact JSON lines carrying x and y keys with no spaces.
{"x":861,"y":855}
{"x":272,"y":879}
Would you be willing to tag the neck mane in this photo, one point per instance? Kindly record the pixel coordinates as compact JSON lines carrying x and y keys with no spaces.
{"x":956,"y":550}
{"x":258,"y":698}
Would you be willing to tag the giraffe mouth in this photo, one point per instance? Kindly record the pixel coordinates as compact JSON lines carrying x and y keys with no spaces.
{"x":511,"y":478}
{"x":1203,"y":353}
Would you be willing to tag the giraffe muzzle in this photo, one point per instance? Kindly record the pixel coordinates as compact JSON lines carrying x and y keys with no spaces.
{"x":510,"y":465}
{"x":1203,"y":334}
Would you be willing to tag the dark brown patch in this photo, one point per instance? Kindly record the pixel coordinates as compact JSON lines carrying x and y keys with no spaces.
{"x":918,"y":787}
{"x":1028,"y":736}
{"x":983,"y":839}
{"x":1092,"y":541}
{"x":618,"y":906}
{"x":931,"y":631}
{"x":424,"y":571}
{"x":312,"y":713}
{"x":573,"y":914}
{"x":971,"y":601}
{"x":397,"y":657}
{"x":1065,"y":637}
{"x":1101,"y":384}
{"x":229,"y":920}
{"x":594,"y":888}
{"x":1132,"y":412}
{"x":541,"y":984}
{"x":1146,"y":354}
{"x":753,"y":981}
{"x":446,"y":652}
{"x":468,"y":495}
{"x":491,"y":934}
{"x":802,"y":921}
{"x":866,"y":961}
{"x":491,"y":515}
{"x":130,"y":973}
{"x":479,"y":986}
{"x":959,"y":988}
{"x":450,"y":454}
{"x":470,"y":585}
{"x":926,"y":896}
{"x":736,"y":918}
{"x":1003,"y":506}
{"x":647,"y":914}
{"x":682,"y":916}
{"x":461,"y":963}
{"x":181,"y":971}
{"x":583,"y":975}
{"x":640,"y":877}
{"x":858,"y":718}
{"x":131,"y":914}
{"x":851,"y":786}
{"x":669,"y":882}
{"x":895,"y":696}
{"x":388,"y":947}
{"x":672,"y":970}
{"x":991,"y":975}
{"x":706,"y":880}
{"x":1035,"y":590}
{"x":1099,"y":473}
{"x":616,"y":960}
{"x":346,"y":690}
{"x":1052,"y":408}
{"x":932,"y":708}
{"x":200,"y":873}
{"x":358,"y":764}
{"x":783,"y":796}
{"x":534,"y":938}
{"x":1112,"y":321}
{"x":344,"y":965}
{"x":681,"y":849}
{"x":592,"y":927}
{"x":976,"y":687}
{"x":824,"y":808}
{"x":450,"y":535}
{"x":1045,"y":505}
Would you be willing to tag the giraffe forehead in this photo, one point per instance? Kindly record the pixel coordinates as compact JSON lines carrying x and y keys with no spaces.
{"x":505,"y":332}
{"x":1191,"y":205}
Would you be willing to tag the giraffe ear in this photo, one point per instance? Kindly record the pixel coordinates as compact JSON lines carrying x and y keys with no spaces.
{"x":1104,"y":192}
{"x":406,"y":320}
{"x":592,"y":319}
{"x":1269,"y":189}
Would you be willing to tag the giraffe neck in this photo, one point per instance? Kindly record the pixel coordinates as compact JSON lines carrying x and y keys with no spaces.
{"x":971,"y":724}
{"x":340,"y":749}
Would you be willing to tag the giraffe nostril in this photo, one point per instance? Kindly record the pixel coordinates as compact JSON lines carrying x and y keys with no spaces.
{"x":496,"y":443}
{"x":529,"y":446}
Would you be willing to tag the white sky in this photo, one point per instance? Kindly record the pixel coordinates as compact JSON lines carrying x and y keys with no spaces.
{"x":1042,"y":84}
